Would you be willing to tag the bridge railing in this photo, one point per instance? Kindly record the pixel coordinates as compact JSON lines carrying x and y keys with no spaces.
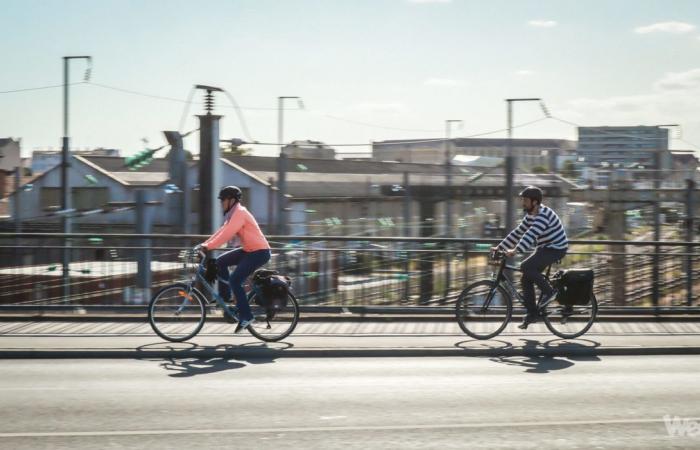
{"x":337,"y":271}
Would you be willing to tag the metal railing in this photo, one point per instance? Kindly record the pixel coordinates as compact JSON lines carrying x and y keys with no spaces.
{"x":345,"y":271}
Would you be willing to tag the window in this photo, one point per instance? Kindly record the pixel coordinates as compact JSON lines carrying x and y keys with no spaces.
{"x":50,"y":198}
{"x":87,"y":198}
{"x":82,"y":198}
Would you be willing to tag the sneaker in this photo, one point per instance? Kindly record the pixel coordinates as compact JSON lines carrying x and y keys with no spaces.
{"x":243,"y":324}
{"x":527,"y":320}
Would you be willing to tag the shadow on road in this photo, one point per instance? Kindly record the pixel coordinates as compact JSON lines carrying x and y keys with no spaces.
{"x":189,"y":359}
{"x":535,"y":361}
{"x":189,"y":367}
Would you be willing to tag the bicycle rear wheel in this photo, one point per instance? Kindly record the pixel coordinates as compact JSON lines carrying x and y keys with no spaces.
{"x":483,"y":310}
{"x":177,"y":312}
{"x":569,"y":322}
{"x":275,"y":321}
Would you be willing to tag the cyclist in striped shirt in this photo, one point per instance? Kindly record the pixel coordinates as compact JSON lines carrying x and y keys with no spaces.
{"x":540,"y":229}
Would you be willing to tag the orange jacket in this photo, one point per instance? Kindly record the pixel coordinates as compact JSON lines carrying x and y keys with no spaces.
{"x":243,"y":225}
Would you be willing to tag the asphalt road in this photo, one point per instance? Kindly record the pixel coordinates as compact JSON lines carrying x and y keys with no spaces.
{"x":314,"y":403}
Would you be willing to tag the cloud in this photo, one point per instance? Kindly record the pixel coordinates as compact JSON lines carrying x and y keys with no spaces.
{"x":666,"y":27}
{"x":672,"y":100}
{"x":675,"y":81}
{"x":445,"y":82}
{"x":429,"y":1}
{"x":542,"y":23}
{"x":524,"y":72}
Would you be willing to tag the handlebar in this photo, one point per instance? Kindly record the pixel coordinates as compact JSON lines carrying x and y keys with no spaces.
{"x":497,"y":256}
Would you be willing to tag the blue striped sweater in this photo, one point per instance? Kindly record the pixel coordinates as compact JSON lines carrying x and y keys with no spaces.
{"x":541,"y":230}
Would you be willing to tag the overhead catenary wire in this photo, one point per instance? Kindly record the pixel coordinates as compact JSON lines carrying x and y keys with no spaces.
{"x":417,"y":141}
{"x":186,"y":109}
{"x":238,"y":108}
{"x":241,"y":118}
{"x":39,"y":88}
{"x":188,"y":102}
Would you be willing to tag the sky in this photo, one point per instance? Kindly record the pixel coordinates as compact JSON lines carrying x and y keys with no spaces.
{"x":366,"y":70}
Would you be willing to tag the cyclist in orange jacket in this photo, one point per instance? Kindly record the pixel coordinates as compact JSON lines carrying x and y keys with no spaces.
{"x":239,"y":227}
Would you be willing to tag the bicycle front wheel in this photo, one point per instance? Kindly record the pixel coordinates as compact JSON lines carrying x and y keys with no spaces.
{"x":275,"y":320}
{"x":569,"y":322}
{"x":483,"y":310}
{"x":177,"y":312}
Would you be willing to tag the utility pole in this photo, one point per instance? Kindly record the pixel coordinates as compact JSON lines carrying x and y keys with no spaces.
{"x":656,"y":277}
{"x":282,"y":219}
{"x":65,"y":164}
{"x":689,"y":238}
{"x":510,"y":160}
{"x":448,"y":176}
{"x":17,"y":203}
{"x":209,"y":164}
{"x":448,"y":198}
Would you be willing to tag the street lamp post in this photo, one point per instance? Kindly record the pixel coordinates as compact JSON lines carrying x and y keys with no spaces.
{"x":65,"y":164}
{"x":281,"y":227}
{"x":510,"y":160}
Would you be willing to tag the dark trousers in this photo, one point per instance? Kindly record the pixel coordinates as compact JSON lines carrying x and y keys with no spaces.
{"x":246,"y":263}
{"x":532,"y":269}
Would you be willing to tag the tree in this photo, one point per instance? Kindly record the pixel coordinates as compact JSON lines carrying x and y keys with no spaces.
{"x":539,"y":169}
{"x":569,"y":169}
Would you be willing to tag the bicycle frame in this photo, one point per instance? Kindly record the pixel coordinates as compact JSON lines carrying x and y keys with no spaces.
{"x":198,"y":276}
{"x":502,"y":279}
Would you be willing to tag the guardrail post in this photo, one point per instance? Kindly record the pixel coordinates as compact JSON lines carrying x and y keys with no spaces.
{"x":616,"y":220}
{"x":143,"y":226}
{"x":427,"y":227}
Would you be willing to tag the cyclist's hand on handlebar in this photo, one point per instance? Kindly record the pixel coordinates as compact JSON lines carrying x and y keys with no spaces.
{"x":510,"y":253}
{"x":202,"y":250}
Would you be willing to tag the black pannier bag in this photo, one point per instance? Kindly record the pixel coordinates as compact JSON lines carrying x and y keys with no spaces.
{"x":272,"y":288}
{"x":575,"y":286}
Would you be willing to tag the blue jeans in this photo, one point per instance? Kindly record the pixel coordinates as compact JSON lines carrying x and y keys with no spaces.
{"x":246,"y":263}
{"x":532,"y":269}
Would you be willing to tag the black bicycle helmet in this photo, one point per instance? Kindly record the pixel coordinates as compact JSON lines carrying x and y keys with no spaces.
{"x":533,"y":193}
{"x":230,"y":192}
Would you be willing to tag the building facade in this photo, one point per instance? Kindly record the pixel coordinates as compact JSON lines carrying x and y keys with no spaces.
{"x":623,"y":146}
{"x":309,"y":149}
{"x":10,"y":154}
{"x":529,"y":153}
{"x":45,"y":160}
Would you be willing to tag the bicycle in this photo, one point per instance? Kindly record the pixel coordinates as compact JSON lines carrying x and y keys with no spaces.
{"x":177,"y":312}
{"x":490,"y":302}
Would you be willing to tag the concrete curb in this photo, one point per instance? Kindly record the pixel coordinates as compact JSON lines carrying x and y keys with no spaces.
{"x":272,"y":353}
{"x":123,"y":318}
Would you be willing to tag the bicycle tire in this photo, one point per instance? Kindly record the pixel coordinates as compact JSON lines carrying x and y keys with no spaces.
{"x":553,"y":313}
{"x":284,"y":325}
{"x":470,"y":324}
{"x":167,"y":320}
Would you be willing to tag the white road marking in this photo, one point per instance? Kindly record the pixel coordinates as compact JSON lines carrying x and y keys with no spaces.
{"x":338,"y":428}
